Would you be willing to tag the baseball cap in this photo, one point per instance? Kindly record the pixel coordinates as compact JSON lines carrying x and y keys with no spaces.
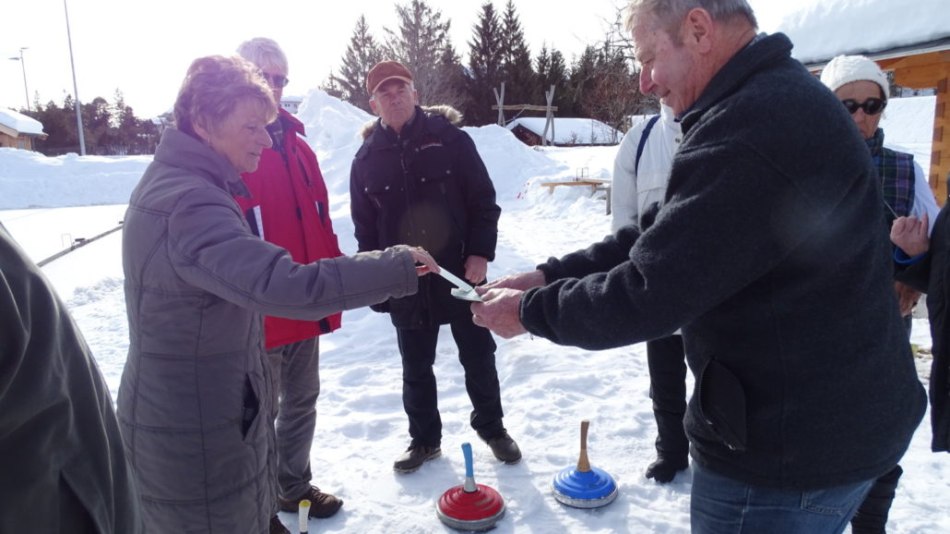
{"x":384,"y":71}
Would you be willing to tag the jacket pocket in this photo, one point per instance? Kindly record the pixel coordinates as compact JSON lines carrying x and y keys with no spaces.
{"x":251,"y":408}
{"x":722,"y":405}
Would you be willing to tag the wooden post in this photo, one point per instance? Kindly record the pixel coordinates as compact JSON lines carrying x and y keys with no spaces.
{"x":501,"y":104}
{"x":921,"y":72}
{"x":549,"y":118}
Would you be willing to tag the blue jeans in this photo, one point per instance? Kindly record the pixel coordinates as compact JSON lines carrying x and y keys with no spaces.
{"x":724,"y":505}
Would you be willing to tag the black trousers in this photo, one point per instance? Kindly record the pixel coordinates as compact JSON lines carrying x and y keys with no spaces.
{"x":476,"y":349}
{"x":667,"y":362}
{"x":871,"y":517}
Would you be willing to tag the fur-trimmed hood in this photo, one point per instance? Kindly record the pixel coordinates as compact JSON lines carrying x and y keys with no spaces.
{"x":453,"y":115}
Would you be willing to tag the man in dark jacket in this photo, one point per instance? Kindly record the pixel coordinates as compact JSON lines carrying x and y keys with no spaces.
{"x":62,"y":465}
{"x":925,"y":264}
{"x":770,"y":254}
{"x":288,"y":206}
{"x":418,"y":180}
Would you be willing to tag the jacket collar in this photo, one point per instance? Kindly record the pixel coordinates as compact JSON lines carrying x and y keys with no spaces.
{"x":290,"y":123}
{"x":876,"y":142}
{"x":181,"y":150}
{"x":763,"y":51}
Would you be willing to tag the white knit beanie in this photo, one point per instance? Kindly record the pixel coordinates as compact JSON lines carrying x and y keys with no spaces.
{"x":847,"y":69}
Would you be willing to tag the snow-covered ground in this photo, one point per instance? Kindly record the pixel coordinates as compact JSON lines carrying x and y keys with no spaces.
{"x":546,"y":389}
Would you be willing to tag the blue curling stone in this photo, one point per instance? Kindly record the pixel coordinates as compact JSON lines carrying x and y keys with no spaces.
{"x":584,"y":489}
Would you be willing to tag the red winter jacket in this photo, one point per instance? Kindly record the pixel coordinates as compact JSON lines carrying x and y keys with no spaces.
{"x":289,"y":207}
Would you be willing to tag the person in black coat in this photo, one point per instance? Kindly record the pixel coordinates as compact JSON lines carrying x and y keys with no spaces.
{"x":926,"y":267}
{"x":62,"y":465}
{"x":771,"y":254}
{"x":419,"y":180}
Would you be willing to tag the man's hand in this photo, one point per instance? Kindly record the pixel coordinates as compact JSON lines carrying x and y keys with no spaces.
{"x":910,"y":235}
{"x":476,"y":268}
{"x":520,"y":281}
{"x":499,"y":312}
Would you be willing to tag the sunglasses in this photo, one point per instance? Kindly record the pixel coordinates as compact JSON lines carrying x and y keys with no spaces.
{"x":871,"y":106}
{"x":275,"y":80}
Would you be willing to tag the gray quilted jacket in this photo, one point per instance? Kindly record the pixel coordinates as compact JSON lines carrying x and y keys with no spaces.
{"x":193,"y":399}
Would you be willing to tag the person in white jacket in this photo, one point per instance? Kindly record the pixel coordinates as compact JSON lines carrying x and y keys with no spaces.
{"x":641,"y":173}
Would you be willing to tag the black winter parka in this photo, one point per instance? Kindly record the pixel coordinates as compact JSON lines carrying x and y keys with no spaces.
{"x":426,"y":187}
{"x":931,"y":276}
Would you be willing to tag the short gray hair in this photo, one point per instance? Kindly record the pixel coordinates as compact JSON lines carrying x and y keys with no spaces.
{"x":670,"y":13}
{"x":264,"y":53}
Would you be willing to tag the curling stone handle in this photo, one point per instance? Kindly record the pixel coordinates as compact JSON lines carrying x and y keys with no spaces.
{"x":583,"y":464}
{"x":469,"y":486}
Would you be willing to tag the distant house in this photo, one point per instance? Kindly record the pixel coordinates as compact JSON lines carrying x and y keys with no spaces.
{"x":567,"y":132}
{"x":291,"y":104}
{"x":18,"y":131}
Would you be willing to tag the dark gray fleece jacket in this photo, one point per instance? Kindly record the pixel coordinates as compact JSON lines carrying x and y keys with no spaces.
{"x":771,"y":254}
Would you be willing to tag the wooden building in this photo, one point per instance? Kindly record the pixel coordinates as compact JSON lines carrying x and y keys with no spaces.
{"x":912,"y":40}
{"x":18,"y":131}
{"x":565,"y":132}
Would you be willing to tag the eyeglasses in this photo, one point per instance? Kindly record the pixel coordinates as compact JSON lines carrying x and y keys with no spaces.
{"x":275,"y":80}
{"x":871,"y":106}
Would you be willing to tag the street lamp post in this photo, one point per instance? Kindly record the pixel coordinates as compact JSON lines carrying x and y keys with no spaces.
{"x":26,"y":89}
{"x":82,"y":140}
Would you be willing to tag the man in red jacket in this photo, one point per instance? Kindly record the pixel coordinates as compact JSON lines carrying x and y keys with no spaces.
{"x":288,"y":207}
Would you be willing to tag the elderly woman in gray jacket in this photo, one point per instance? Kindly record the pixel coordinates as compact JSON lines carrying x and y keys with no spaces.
{"x":193,"y":403}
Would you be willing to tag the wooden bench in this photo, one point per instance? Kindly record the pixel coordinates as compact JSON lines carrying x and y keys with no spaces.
{"x":595,"y":185}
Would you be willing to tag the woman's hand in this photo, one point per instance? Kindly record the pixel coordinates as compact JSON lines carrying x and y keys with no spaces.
{"x":426,"y":263}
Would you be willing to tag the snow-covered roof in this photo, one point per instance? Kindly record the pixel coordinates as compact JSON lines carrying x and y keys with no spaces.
{"x":571,"y":131}
{"x":823,"y":29}
{"x":20,"y":122}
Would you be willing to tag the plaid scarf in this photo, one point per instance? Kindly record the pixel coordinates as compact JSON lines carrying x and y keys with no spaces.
{"x":896,"y":170}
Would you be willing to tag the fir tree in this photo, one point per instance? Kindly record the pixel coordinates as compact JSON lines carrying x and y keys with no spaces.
{"x":452,"y":78}
{"x":485,"y":66}
{"x":551,"y":70}
{"x":361,"y":54}
{"x":419,"y":44}
{"x":519,"y":77}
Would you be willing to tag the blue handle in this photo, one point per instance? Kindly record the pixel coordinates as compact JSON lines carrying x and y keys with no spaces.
{"x":467,"y":452}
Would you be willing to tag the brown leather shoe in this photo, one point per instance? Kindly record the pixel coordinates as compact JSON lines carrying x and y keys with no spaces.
{"x":322,"y":505}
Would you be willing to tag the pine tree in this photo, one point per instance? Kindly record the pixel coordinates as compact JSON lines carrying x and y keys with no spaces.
{"x":485,"y":66}
{"x":551,"y":70}
{"x":519,"y":76}
{"x":452,"y":78}
{"x":583,"y":76}
{"x":361,"y":54}
{"x":419,"y":45}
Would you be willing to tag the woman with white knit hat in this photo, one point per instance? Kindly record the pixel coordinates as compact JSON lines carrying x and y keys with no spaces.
{"x":863,"y":89}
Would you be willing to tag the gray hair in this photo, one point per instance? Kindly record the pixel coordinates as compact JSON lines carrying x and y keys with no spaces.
{"x":670,"y":13}
{"x":264,"y":53}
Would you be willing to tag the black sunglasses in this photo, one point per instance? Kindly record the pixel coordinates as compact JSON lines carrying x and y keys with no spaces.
{"x":871,"y":106}
{"x":275,"y":80}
